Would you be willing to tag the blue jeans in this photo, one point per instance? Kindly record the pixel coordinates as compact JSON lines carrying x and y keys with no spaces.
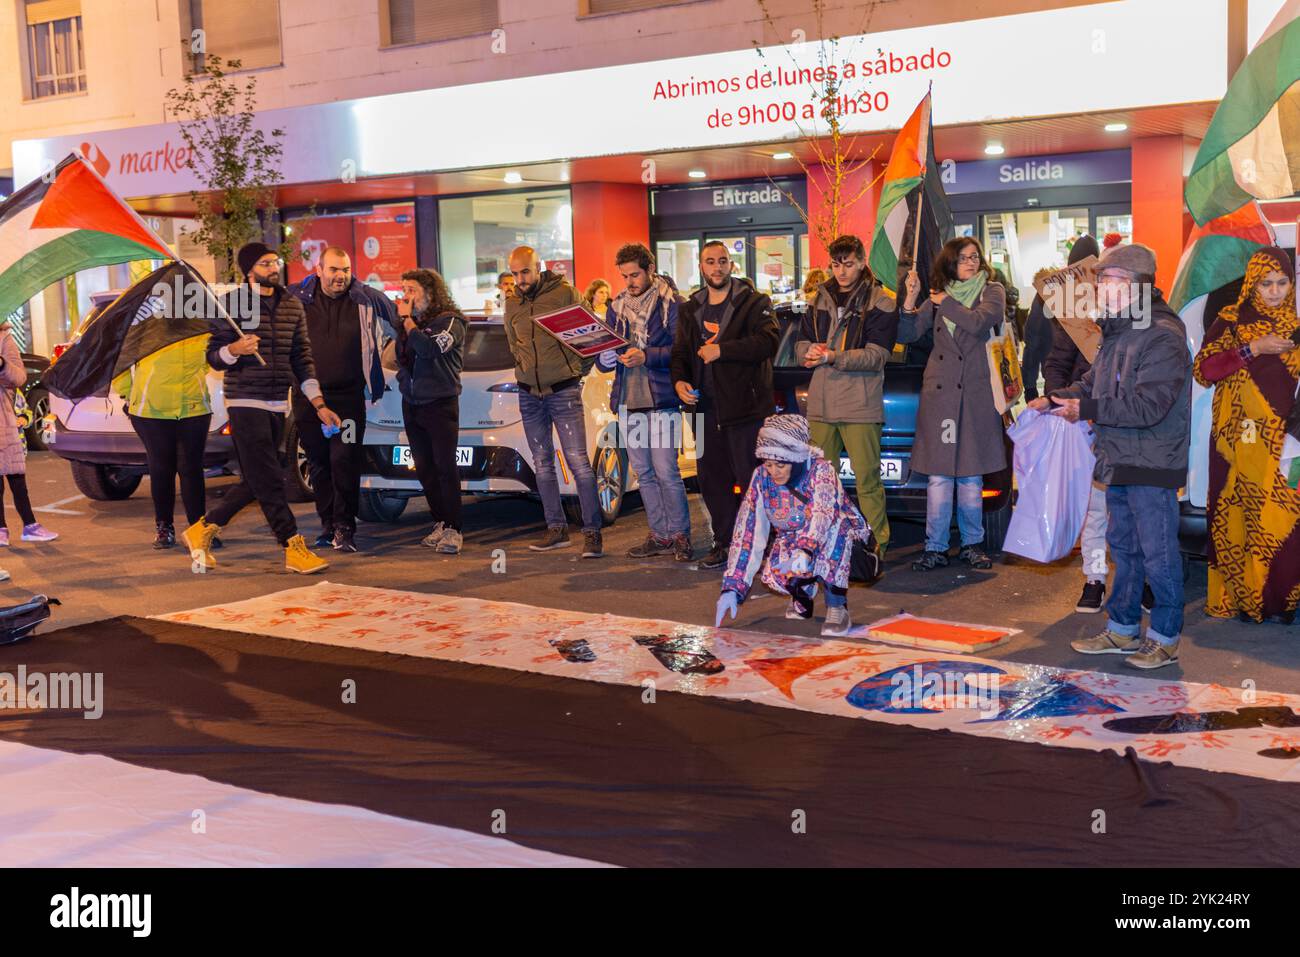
{"x":938,"y":511}
{"x":651,"y":440}
{"x":1142,"y":534}
{"x":563,"y":412}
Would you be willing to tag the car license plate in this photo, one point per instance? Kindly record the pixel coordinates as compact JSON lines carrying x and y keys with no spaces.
{"x":402,"y":456}
{"x":891,"y":470}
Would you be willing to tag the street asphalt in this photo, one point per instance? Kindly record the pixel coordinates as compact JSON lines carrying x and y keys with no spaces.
{"x":103,"y":566}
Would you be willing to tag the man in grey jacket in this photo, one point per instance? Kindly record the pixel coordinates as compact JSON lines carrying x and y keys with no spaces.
{"x":1138,"y":397}
{"x":846,"y":339}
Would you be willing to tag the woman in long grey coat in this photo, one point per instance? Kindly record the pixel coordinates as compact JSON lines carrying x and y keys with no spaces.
{"x":958,"y":428}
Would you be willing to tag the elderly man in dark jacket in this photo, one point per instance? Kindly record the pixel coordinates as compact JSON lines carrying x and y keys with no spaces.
{"x":1138,"y":397}
{"x":722,"y":357}
{"x":261,"y":367}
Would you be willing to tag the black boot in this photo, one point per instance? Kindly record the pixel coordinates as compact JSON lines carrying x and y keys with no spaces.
{"x":166,"y":537}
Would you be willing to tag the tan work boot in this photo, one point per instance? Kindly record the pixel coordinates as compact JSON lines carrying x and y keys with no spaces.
{"x":198,"y":539}
{"x":298,"y":558}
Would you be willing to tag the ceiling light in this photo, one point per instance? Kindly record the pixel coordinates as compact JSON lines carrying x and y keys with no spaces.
{"x":1116,"y":127}
{"x":782,"y":156}
{"x":697,"y":174}
{"x":994,"y":149}
{"x":513,"y":177}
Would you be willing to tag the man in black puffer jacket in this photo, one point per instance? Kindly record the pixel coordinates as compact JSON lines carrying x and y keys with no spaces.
{"x":722,"y":357}
{"x":261,"y":367}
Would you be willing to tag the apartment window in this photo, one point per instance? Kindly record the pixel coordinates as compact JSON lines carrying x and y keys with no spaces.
{"x":423,"y":21}
{"x":243,"y":30}
{"x":594,"y":8}
{"x":55,"y":52}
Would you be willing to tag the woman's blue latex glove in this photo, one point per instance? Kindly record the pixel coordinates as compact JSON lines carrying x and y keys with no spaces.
{"x":801,"y":564}
{"x":728,"y":603}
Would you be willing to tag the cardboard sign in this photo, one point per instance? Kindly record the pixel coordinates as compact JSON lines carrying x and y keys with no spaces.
{"x":1070,"y":296}
{"x":580,"y":331}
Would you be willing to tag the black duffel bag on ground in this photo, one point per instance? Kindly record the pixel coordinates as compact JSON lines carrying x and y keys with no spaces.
{"x":19,"y":621}
{"x":865,"y":564}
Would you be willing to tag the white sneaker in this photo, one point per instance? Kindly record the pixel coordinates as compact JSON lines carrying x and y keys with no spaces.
{"x":435,"y":536}
{"x":837,"y":621}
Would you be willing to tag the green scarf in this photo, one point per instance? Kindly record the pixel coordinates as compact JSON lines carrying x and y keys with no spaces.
{"x":966,"y":292}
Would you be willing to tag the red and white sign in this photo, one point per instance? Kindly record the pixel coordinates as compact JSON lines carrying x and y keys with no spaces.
{"x":385,"y":245}
{"x":582,"y":332}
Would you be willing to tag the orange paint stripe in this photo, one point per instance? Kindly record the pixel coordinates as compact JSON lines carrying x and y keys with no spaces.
{"x":940,"y":631}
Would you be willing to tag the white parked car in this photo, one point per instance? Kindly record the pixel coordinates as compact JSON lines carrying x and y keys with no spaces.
{"x":108,"y":460}
{"x":95,"y":436}
{"x":493,"y":454}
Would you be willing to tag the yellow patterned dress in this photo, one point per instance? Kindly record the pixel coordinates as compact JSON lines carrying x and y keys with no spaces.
{"x":1254,"y":518}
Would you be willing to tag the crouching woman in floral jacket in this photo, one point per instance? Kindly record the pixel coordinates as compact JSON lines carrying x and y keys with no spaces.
{"x":796,"y":496}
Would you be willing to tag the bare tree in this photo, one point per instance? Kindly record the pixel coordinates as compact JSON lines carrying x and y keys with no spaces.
{"x":837,"y":156}
{"x":237,"y":162}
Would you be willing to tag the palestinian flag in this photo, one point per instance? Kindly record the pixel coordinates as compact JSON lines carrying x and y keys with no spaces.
{"x":170,"y":304}
{"x":911,"y":173}
{"x":1252,"y":148}
{"x":1209,"y":277}
{"x":57,"y":225}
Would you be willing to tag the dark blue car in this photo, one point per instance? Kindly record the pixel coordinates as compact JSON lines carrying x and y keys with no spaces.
{"x":904,"y":489}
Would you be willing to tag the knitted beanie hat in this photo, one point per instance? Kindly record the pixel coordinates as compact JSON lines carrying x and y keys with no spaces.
{"x":784,"y":438}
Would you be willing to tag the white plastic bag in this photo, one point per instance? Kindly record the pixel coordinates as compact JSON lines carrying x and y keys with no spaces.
{"x":1053,"y":463}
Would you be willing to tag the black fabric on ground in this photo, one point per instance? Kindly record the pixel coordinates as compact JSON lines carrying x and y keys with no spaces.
{"x":588,"y":769}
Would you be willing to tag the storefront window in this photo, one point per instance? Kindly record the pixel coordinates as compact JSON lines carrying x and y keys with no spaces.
{"x":679,"y":258}
{"x":1021,"y":243}
{"x":477,"y":233}
{"x":774,"y":266}
{"x":1115,"y":224}
{"x":381,"y":243}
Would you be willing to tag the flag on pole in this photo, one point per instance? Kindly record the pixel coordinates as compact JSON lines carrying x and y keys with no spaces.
{"x":64,"y":222}
{"x":911,"y":173}
{"x":1214,"y":259}
{"x":1217,"y":252}
{"x":170,"y":304}
{"x":1252,"y":147}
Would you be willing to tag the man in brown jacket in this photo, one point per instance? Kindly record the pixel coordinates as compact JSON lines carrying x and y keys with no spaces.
{"x":550,"y":398}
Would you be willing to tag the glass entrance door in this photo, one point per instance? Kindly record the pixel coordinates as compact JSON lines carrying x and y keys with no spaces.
{"x":679,"y":258}
{"x":774,"y":265}
{"x":773,"y":259}
{"x":1021,"y":243}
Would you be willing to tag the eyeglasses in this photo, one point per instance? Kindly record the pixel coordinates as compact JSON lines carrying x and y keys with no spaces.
{"x":268,"y":263}
{"x":972,"y":258}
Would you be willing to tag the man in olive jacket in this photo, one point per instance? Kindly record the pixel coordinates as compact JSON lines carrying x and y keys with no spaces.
{"x":846,"y":339}
{"x":722,"y":357}
{"x":550,"y":397}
